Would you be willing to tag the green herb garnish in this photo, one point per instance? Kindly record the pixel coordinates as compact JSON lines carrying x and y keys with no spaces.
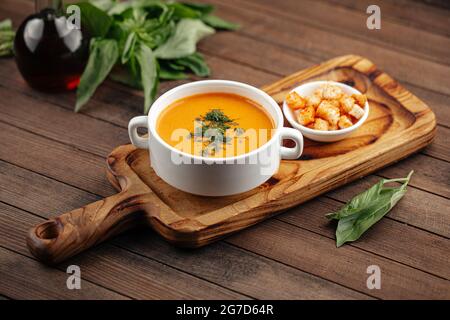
{"x":213,"y":130}
{"x":366,"y":209}
{"x":217,"y":117}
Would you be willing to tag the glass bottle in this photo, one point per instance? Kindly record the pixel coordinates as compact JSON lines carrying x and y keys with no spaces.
{"x":50,"y":53}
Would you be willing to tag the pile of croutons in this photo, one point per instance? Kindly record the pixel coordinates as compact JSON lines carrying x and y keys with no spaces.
{"x":329,"y":108}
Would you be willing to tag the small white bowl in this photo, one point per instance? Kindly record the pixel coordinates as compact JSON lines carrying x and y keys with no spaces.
{"x":306,"y":90}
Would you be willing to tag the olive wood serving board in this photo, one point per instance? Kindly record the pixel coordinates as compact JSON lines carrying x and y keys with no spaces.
{"x":398,"y":125}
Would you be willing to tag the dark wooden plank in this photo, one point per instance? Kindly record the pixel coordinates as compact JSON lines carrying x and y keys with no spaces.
{"x":207,"y":263}
{"x":440,"y":4}
{"x":431,"y":174}
{"x":82,"y":146}
{"x":56,"y":160}
{"x":393,"y":240}
{"x":317,"y":255}
{"x":436,"y":101}
{"x":351,"y":23}
{"x":157,"y":249}
{"x":112,"y":102}
{"x":310,"y":40}
{"x":440,"y":148}
{"x":30,"y":191}
{"x":411,"y":13}
{"x":323,"y":44}
{"x":24,"y":278}
{"x":241,"y":270}
{"x":84,"y":132}
{"x":115,"y":268}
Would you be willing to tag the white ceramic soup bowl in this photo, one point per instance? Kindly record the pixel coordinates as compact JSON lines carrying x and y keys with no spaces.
{"x":308,"y":89}
{"x":215,"y":176}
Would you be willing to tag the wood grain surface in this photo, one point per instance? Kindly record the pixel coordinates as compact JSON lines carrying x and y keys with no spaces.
{"x":398,"y":125}
{"x":293,"y":254}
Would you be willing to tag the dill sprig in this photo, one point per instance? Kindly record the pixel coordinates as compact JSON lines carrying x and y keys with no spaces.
{"x":212,"y":130}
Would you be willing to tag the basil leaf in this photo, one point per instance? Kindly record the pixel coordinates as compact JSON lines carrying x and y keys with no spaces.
{"x":366,"y":209}
{"x":157,"y":35}
{"x":174,"y":66}
{"x":169,"y":74}
{"x":119,"y":8}
{"x":104,"y":5}
{"x":219,"y":23}
{"x":103,"y":55}
{"x":128,"y":49}
{"x":359,"y":201}
{"x":123,"y":76}
{"x":196,"y":63}
{"x":155,"y":7}
{"x":203,"y":8}
{"x":149,"y":74}
{"x":95,"y":20}
{"x":184,"y":40}
{"x":181,"y":11}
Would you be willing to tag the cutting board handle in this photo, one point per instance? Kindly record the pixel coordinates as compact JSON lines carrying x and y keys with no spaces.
{"x":68,"y":234}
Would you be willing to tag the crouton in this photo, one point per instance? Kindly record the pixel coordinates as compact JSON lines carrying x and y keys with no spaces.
{"x":329,"y":112}
{"x":344,"y":122}
{"x":346,"y":104}
{"x":360,"y":99}
{"x":331,"y":92}
{"x":356,"y":112}
{"x":295,"y":101}
{"x":306,"y":116}
{"x":321,"y":124}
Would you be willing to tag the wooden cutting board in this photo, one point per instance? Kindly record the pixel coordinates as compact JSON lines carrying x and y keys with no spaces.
{"x":398,"y":125}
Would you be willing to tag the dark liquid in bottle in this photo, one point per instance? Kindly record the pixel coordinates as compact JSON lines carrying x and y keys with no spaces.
{"x":50,"y":55}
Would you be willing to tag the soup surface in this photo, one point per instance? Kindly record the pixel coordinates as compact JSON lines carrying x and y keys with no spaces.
{"x":215,"y":125}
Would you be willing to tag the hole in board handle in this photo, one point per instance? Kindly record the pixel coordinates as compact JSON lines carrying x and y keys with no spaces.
{"x":48,"y":230}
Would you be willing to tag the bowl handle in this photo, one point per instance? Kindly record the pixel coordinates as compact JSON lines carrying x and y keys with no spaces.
{"x":133,"y":126}
{"x":296,"y":136}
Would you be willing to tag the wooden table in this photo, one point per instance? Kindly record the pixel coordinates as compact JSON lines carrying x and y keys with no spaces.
{"x":52,"y":160}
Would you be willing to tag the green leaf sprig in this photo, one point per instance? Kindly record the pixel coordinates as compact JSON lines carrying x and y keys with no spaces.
{"x":213,"y":131}
{"x":366,"y":209}
{"x":6,"y":38}
{"x":140,"y":42}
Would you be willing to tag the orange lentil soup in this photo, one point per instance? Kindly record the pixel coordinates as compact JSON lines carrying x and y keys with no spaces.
{"x":215,"y":125}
